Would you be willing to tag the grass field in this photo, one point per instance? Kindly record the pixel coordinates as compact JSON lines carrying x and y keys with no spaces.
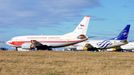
{"x":66,"y":63}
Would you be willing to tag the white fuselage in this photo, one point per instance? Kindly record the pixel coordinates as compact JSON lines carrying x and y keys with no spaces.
{"x":100,"y":44}
{"x":129,"y":46}
{"x":53,"y":40}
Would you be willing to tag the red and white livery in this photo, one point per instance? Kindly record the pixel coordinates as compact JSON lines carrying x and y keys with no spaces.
{"x":54,"y":41}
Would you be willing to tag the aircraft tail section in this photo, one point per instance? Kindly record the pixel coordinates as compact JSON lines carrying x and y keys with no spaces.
{"x":82,"y":27}
{"x":123,"y":34}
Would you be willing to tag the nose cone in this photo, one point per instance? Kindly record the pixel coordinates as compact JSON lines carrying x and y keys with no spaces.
{"x":9,"y":42}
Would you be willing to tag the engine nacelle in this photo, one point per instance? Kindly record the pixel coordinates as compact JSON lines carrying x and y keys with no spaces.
{"x":26,"y":46}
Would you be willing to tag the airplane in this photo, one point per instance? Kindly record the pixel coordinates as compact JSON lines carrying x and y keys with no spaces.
{"x":101,"y":45}
{"x":128,"y":47}
{"x":52,"y":41}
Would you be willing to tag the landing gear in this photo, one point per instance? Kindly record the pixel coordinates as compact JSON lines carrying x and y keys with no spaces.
{"x":16,"y":48}
{"x":35,"y":45}
{"x":89,"y":47}
{"x":43,"y":47}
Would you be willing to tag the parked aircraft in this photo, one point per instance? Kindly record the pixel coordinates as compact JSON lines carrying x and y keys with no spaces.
{"x":113,"y":43}
{"x":52,"y":41}
{"x":128,"y":47}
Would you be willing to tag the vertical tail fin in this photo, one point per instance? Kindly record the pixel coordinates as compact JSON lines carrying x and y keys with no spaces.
{"x":81,"y":29}
{"x":83,"y":26}
{"x":123,"y":34}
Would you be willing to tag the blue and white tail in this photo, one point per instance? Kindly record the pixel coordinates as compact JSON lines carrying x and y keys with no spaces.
{"x":81,"y":29}
{"x":123,"y":34}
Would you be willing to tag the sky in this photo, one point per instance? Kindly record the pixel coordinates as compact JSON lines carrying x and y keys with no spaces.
{"x":52,"y":17}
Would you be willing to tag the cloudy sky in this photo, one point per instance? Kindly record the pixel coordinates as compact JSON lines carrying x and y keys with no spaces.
{"x":30,"y":17}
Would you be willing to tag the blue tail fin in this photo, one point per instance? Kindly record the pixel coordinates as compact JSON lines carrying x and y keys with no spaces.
{"x":123,"y":34}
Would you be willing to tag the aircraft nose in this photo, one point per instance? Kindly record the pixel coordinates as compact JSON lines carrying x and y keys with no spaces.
{"x":9,"y":42}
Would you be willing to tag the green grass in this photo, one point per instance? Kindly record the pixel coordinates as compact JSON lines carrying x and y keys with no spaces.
{"x":66,"y":63}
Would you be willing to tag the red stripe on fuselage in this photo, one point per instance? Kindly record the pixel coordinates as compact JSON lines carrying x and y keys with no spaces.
{"x":19,"y":43}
